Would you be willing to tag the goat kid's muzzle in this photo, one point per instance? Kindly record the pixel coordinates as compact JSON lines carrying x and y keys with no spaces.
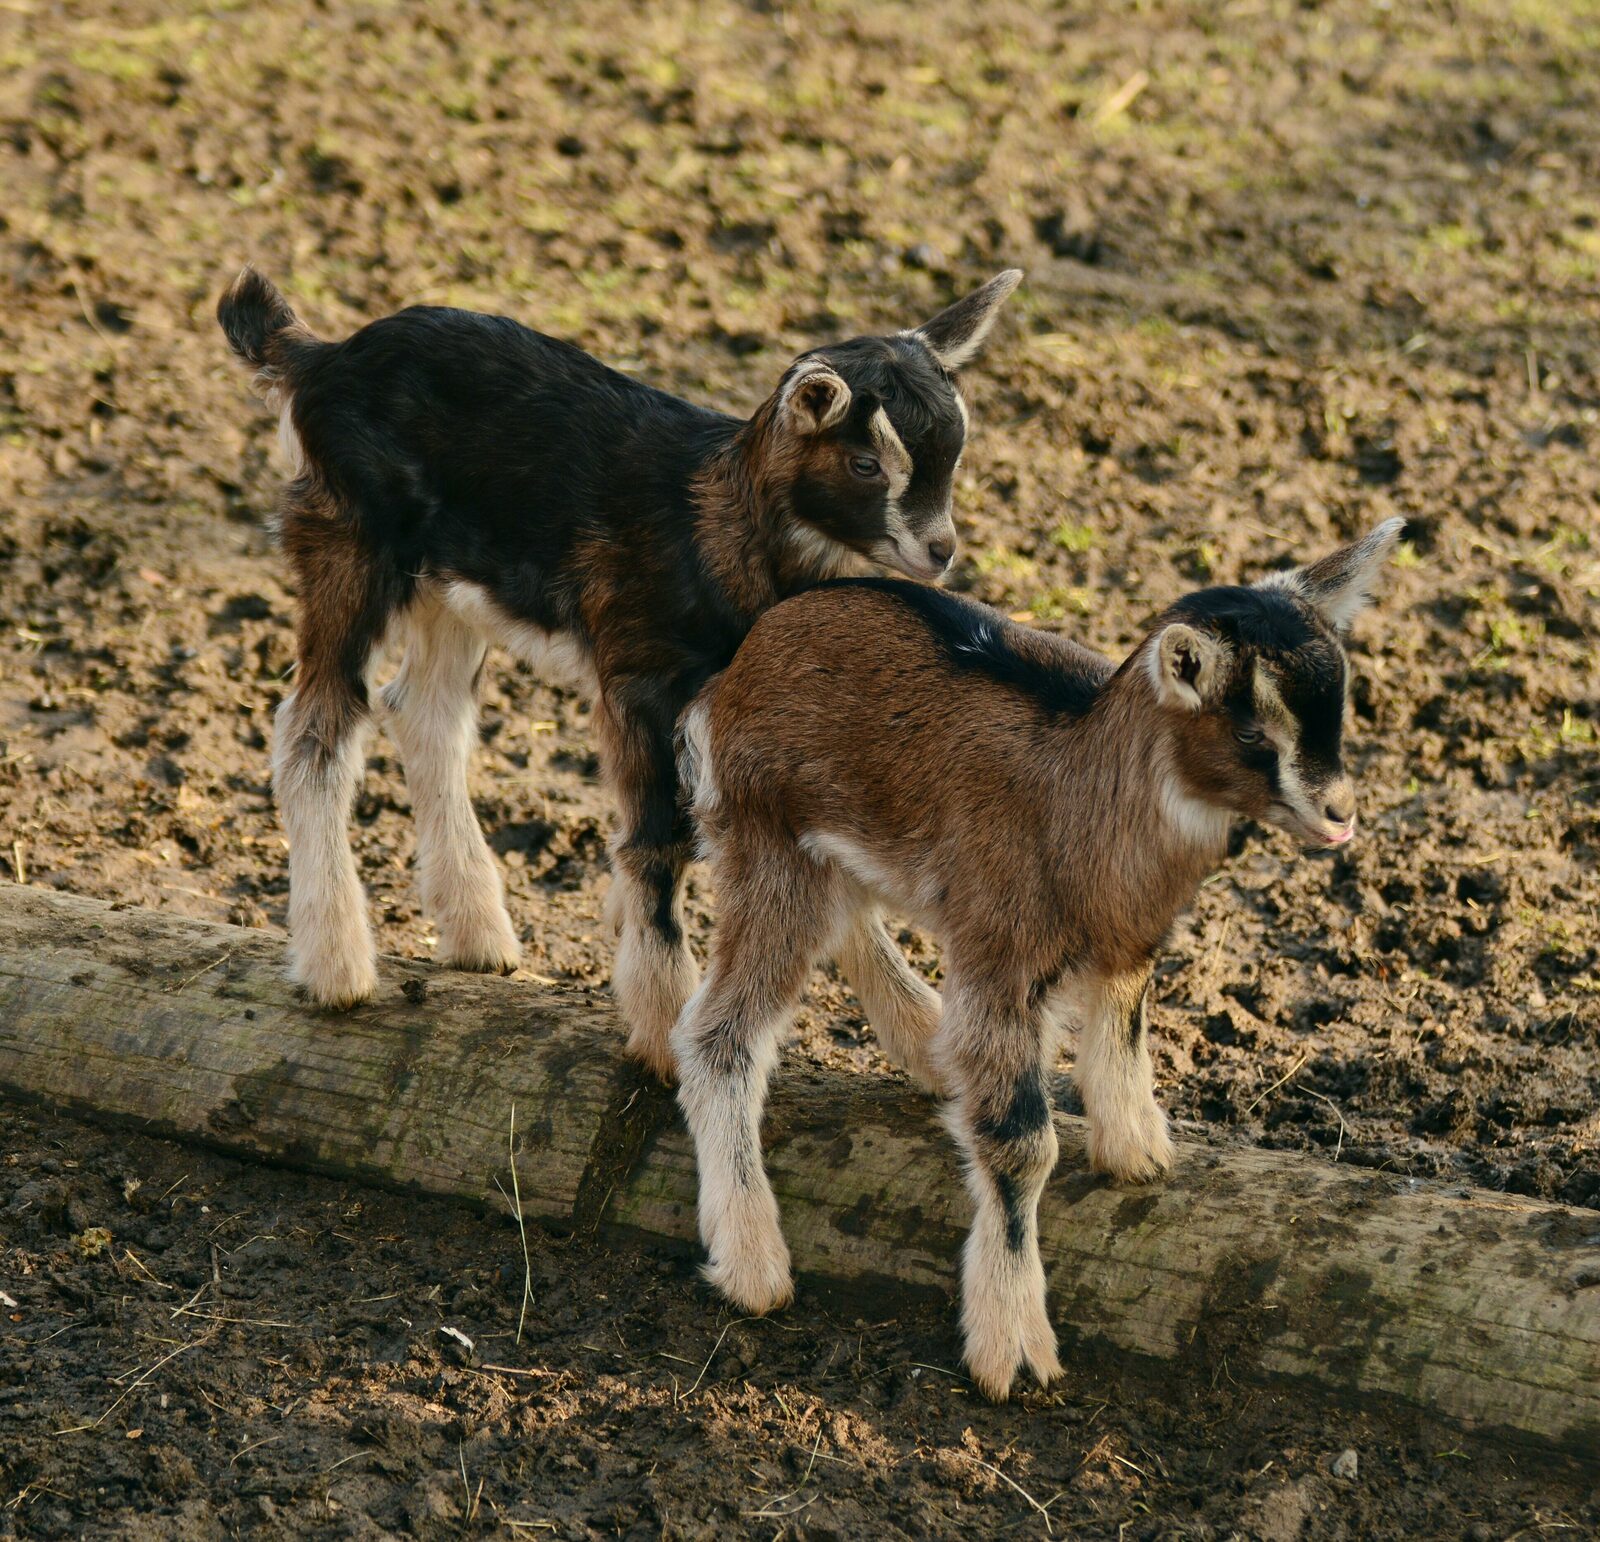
{"x":926,"y":555}
{"x":1320,"y":833}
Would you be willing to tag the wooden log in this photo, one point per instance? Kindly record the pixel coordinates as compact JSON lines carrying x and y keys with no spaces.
{"x":1479,"y":1308}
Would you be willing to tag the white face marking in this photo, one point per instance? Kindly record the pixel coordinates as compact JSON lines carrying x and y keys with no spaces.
{"x":902,"y":547}
{"x":1283,"y":731}
{"x":1280,"y":727}
{"x":559,"y":656}
{"x":892,"y":453}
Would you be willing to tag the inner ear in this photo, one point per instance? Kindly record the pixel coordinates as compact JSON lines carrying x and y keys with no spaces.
{"x":1186,"y":665}
{"x":958,"y":331}
{"x":816,"y":399}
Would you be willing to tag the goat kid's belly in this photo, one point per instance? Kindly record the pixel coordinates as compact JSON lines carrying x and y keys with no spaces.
{"x":887,"y":882}
{"x":559,"y":657}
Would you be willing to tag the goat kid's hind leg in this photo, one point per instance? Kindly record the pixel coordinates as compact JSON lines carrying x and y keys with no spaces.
{"x":773,"y":915}
{"x":1127,"y":1130}
{"x":433,"y":715}
{"x":654,"y":973}
{"x":318,"y":750}
{"x":996,"y":1054}
{"x":901,"y":1006}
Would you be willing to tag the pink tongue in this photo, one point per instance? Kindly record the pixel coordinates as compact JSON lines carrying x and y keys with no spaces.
{"x":1339,"y":840}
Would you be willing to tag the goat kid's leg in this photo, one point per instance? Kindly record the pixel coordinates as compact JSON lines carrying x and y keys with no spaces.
{"x":995,"y":1054}
{"x":1127,"y":1130}
{"x":771,"y":925}
{"x":318,"y":753}
{"x":318,"y":745}
{"x":654,"y":973}
{"x":901,"y":1006}
{"x":725,"y":1045}
{"x":433,"y":715}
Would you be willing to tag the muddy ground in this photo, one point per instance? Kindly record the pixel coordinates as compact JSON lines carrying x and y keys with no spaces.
{"x":1292,"y":269}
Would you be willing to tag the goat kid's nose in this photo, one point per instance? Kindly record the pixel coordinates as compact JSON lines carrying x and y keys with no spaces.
{"x":941,"y":550}
{"x":1341,"y":803}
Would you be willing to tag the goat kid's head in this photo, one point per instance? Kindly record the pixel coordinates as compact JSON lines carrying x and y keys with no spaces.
{"x":1258,"y":682}
{"x":870,"y":431}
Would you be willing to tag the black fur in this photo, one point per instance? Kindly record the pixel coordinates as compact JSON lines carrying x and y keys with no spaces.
{"x":1028,"y":1113}
{"x":251,"y":314}
{"x":1016,"y":1213}
{"x":972,"y":636}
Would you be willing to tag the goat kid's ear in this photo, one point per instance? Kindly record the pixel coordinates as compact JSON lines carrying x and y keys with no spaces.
{"x":1186,"y":665}
{"x":1340,"y":585}
{"x":814,"y":399}
{"x":956,"y":333}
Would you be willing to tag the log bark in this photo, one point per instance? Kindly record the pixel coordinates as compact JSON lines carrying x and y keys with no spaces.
{"x":1480,"y":1308}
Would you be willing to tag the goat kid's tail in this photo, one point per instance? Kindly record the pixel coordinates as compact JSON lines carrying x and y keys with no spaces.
{"x":261,"y":327}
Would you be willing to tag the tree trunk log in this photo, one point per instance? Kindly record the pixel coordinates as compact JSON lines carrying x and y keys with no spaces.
{"x":1477,"y":1307}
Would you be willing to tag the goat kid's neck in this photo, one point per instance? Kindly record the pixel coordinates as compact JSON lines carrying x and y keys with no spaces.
{"x":1150,"y":837}
{"x":755,"y":546}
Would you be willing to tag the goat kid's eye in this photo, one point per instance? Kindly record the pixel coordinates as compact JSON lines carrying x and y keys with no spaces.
{"x":864,"y":466}
{"x":1248,"y":735}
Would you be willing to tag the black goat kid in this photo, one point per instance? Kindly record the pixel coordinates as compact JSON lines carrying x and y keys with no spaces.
{"x":460,"y":479}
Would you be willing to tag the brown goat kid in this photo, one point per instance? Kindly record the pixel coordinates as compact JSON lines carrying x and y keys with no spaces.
{"x":1046,"y":815}
{"x":461,"y":480}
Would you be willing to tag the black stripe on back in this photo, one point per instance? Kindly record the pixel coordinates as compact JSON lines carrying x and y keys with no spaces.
{"x":975,"y":637}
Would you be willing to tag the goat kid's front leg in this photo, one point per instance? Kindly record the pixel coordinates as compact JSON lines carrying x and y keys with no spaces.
{"x":995,"y":1054}
{"x":1127,"y":1130}
{"x":901,"y":1006}
{"x":654,"y":973}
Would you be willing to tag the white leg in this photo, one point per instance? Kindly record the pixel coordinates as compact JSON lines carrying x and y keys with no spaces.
{"x":996,"y":1056}
{"x":901,"y":1006}
{"x":316,"y":762}
{"x":433,"y":715}
{"x":778,"y":912}
{"x":1127,"y":1130}
{"x":725,"y":1057}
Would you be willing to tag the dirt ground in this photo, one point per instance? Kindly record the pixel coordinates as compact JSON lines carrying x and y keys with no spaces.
{"x":1292,"y":268}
